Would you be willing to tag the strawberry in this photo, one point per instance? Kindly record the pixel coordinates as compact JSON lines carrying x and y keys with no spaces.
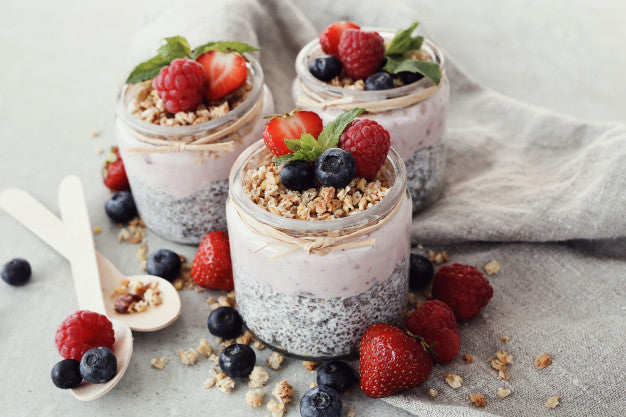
{"x":212,"y":267}
{"x":391,"y":361}
{"x":114,"y":173}
{"x":290,"y":126}
{"x":329,"y":38}
{"x":224,"y":72}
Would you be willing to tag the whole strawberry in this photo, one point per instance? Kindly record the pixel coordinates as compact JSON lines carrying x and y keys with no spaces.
{"x":462,"y":287}
{"x":114,"y":173}
{"x":361,"y":53}
{"x":391,"y":361}
{"x":435,"y":322}
{"x":180,"y":85}
{"x":331,"y":35}
{"x":369,"y":143}
{"x":212,"y":267}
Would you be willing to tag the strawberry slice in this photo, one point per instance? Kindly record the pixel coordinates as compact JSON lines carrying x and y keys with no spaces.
{"x":329,"y":39}
{"x":225,"y":72}
{"x":290,"y":126}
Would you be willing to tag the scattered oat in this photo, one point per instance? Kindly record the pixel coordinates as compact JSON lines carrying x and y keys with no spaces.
{"x":258,"y":345}
{"x":438,"y":257}
{"x":275,"y":360}
{"x":492,"y":267}
{"x":553,"y":402}
{"x":277,"y":408}
{"x":254,"y":398}
{"x":283,"y":391}
{"x":498,"y":365}
{"x":158,"y":363}
{"x":505,"y":338}
{"x":504,"y":357}
{"x":468,"y":358}
{"x":225,"y":342}
{"x":478,"y":400}
{"x":97,"y":230}
{"x":245,"y":338}
{"x":351,"y":412}
{"x":309,"y":365}
{"x":94,"y":133}
{"x":188,"y":358}
{"x":225,"y":385}
{"x":433,"y":392}
{"x":214,"y":376}
{"x":258,"y":377}
{"x":204,"y":348}
{"x":503,"y":393}
{"x":454,"y":380}
{"x":543,"y":360}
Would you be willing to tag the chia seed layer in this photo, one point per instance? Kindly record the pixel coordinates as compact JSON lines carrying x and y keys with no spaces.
{"x":426,"y":171}
{"x":319,"y":328}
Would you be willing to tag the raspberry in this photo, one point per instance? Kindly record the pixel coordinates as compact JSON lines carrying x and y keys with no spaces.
{"x":462,"y":287}
{"x":180,"y":85}
{"x":82,"y":331}
{"x":434,"y":321}
{"x":361,"y":53}
{"x":369,"y":143}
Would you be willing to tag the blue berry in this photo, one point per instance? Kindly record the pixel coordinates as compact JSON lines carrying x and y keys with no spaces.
{"x":325,"y":68}
{"x":321,"y":401}
{"x":120,"y":207}
{"x":297,"y":175}
{"x":421,"y":271}
{"x":16,"y":272}
{"x":379,"y":81}
{"x":335,"y":167}
{"x":164,"y":263}
{"x":98,"y":365}
{"x":410,"y":77}
{"x":335,"y":374}
{"x":237,"y":360}
{"x":66,"y":374}
{"x":225,"y":322}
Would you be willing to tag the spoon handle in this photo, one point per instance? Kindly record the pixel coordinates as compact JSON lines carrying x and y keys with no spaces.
{"x":80,"y":246}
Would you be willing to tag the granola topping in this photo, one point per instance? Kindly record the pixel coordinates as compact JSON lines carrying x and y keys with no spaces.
{"x":136,"y":297}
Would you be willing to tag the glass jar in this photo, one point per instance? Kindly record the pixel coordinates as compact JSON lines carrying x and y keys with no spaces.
{"x":416,"y":130}
{"x":305,"y":304}
{"x":180,"y":191}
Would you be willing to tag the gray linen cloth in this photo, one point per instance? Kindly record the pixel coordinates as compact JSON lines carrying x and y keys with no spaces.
{"x":547,"y":191}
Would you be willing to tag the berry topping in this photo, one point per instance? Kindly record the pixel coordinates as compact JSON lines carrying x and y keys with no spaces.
{"x":410,"y":77}
{"x":290,"y":126}
{"x":180,"y":85}
{"x":335,"y":167}
{"x":361,"y":53}
{"x":66,"y":374}
{"x":369,"y":143}
{"x":391,"y":361}
{"x":298,"y":175}
{"x":82,"y":331}
{"x":98,"y":365}
{"x":434,"y":321}
{"x":379,"y":81}
{"x":325,"y":68}
{"x":114,"y":173}
{"x":336,"y":374}
{"x":462,"y":287}
{"x":16,"y":272}
{"x":212,"y":267}
{"x":321,"y":402}
{"x":421,"y":271}
{"x":120,"y":207}
{"x":237,"y":360}
{"x":224,"y":73}
{"x":225,"y":322}
{"x":164,"y":263}
{"x":329,"y":39}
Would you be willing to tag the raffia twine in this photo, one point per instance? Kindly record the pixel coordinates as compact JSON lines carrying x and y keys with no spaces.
{"x":320,"y":245}
{"x":313,"y":99}
{"x":204,"y":143}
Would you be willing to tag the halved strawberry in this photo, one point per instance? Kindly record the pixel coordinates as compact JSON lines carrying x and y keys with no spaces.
{"x":225,"y":72}
{"x":114,"y":173}
{"x":329,"y":39}
{"x":290,"y":126}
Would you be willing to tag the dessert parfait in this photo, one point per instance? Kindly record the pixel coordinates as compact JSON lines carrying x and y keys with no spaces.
{"x":319,"y":232}
{"x":398,"y":78}
{"x":183,"y":117}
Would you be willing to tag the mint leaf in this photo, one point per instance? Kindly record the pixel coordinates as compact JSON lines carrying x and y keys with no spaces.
{"x":329,"y":137}
{"x":147,"y":70}
{"x":174,"y":48}
{"x":224,"y":46}
{"x":403,"y":42}
{"x":400,"y":63}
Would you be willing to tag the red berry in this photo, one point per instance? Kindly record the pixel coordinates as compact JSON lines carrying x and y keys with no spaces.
{"x":329,"y":39}
{"x":290,"y":126}
{"x":114,"y":173}
{"x":211,"y":267}
{"x":82,"y":331}
{"x":361,"y":53}
{"x":462,"y":287}
{"x":180,"y":85}
{"x":224,"y":73}
{"x":434,"y":321}
{"x":369,"y":143}
{"x":391,"y":361}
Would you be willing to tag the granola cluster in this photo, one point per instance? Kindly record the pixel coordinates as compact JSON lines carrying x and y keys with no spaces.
{"x":136,"y":297}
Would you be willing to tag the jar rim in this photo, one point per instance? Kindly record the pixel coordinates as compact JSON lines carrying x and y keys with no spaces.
{"x":257,"y":77}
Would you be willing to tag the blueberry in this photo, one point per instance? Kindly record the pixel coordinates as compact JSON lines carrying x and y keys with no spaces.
{"x":237,"y":360}
{"x":336,"y":375}
{"x":325,"y":68}
{"x":225,"y":322}
{"x":410,"y":77}
{"x":321,"y":402}
{"x":298,"y":175}
{"x":120,"y":207}
{"x":421,"y":271}
{"x":16,"y":272}
{"x":66,"y":374}
{"x":335,"y":167}
{"x":98,"y":365}
{"x":164,"y":263}
{"x":379,"y":81}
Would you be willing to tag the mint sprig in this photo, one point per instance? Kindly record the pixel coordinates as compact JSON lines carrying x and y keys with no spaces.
{"x":223,"y":46}
{"x":403,"y":42}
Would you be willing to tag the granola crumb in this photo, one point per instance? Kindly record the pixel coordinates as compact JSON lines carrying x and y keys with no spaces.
{"x":503,"y":393}
{"x":502,"y":374}
{"x":254,"y":398}
{"x":94,"y":133}
{"x":312,"y":385}
{"x":277,"y":408}
{"x":214,"y":376}
{"x":225,"y":385}
{"x":505,"y":338}
{"x":158,"y":363}
{"x":454,"y":380}
{"x":492,"y":267}
{"x":478,"y":400}
{"x":224,"y":301}
{"x":309,"y":365}
{"x":553,"y":402}
{"x":283,"y":391}
{"x":214,"y":306}
{"x":439,"y":257}
{"x":188,"y":358}
{"x":275,"y":360}
{"x":351,"y":412}
{"x":504,"y":357}
{"x":97,"y":230}
{"x":245,"y":338}
{"x":258,"y":377}
{"x":433,"y":392}
{"x":211,"y":300}
{"x":204,"y":348}
{"x":225,"y":342}
{"x":258,"y":345}
{"x":214,"y":358}
{"x":468,"y":358}
{"x":543,"y":360}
